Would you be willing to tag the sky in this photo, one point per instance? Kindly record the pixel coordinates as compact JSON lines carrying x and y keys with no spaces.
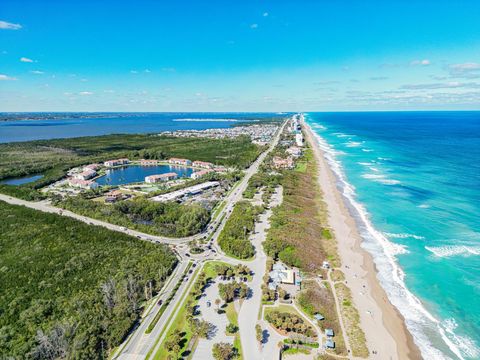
{"x":298,"y":55}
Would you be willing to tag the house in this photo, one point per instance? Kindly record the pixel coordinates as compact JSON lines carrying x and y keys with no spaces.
{"x":330,"y":344}
{"x":117,"y":162}
{"x":325,"y":265}
{"x":152,"y":179}
{"x":93,"y":167}
{"x":221,"y":169}
{"x":280,"y":274}
{"x":203,"y":164}
{"x":83,"y":184}
{"x":319,"y":317}
{"x":86,"y":174}
{"x":280,"y":163}
{"x":199,"y":174}
{"x":113,"y":196}
{"x":294,"y":151}
{"x":299,"y":139}
{"x":148,"y":162}
{"x":329,"y":333}
{"x":178,"y":161}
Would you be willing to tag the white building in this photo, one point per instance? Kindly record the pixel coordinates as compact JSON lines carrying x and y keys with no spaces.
{"x":179,"y":161}
{"x":198,"y":174}
{"x":294,"y":151}
{"x":117,"y":162}
{"x":152,"y":179}
{"x":83,"y":184}
{"x":299,"y":139}
{"x":86,"y":174}
{"x":203,"y":164}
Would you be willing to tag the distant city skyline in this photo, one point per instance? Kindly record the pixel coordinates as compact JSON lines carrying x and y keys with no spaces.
{"x":239,"y":56}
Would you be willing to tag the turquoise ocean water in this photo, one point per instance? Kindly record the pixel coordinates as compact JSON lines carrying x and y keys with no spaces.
{"x":412,"y":181}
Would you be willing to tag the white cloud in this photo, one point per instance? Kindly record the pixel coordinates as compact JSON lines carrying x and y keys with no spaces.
{"x":424,"y":62}
{"x":85,"y":93}
{"x":37,"y":72}
{"x":4,"y":77}
{"x":466,"y":66}
{"x":265,"y":14}
{"x":133,"y":72}
{"x":147,"y":71}
{"x":27,"y":60}
{"x":253,"y":26}
{"x":469,"y":70}
{"x":9,"y":26}
{"x":448,"y":85}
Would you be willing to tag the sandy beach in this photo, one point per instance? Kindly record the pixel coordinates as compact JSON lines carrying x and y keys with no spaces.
{"x":383,"y":325}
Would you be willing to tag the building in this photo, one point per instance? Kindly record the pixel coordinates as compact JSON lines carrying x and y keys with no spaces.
{"x":280,"y":163}
{"x":148,"y":162}
{"x":203,"y":164}
{"x":221,"y":169}
{"x":113,"y":196}
{"x":83,"y":184}
{"x":280,"y":274}
{"x":86,"y":174}
{"x":93,"y":167}
{"x":295,"y":151}
{"x":178,"y":161}
{"x":330,"y":344}
{"x":117,"y":162}
{"x":329,"y":333}
{"x":152,"y":179}
{"x":190,"y":191}
{"x":319,"y":317}
{"x":198,"y":174}
{"x":299,"y":139}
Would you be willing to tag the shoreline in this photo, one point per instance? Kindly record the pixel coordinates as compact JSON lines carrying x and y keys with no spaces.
{"x":384,"y":326}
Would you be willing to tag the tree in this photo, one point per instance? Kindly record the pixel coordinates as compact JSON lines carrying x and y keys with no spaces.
{"x":223,"y":351}
{"x":231,"y":328}
{"x":204,"y":328}
{"x":217,"y":303}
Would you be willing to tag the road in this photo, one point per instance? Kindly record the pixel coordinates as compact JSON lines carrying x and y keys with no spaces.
{"x":230,"y":200}
{"x":138,"y":344}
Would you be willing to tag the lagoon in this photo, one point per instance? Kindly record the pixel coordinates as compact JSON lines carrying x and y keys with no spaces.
{"x":21,"y":180}
{"x":136,"y":173}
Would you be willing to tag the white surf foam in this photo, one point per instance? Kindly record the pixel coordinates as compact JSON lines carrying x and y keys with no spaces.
{"x":342,"y":135}
{"x":352,"y":144}
{"x":404,"y":236}
{"x":380,"y":178}
{"x":453,"y":250}
{"x":418,"y":320}
{"x":367,"y":150}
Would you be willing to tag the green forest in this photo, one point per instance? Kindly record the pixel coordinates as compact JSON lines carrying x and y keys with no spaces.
{"x":70,"y":290}
{"x":233,"y":239}
{"x":157,"y":218}
{"x":52,"y":158}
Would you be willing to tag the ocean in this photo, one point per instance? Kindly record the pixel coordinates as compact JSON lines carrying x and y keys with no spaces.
{"x":412,"y":182}
{"x":57,"y":126}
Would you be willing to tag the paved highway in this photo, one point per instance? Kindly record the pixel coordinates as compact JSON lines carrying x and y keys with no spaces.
{"x":138,"y":344}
